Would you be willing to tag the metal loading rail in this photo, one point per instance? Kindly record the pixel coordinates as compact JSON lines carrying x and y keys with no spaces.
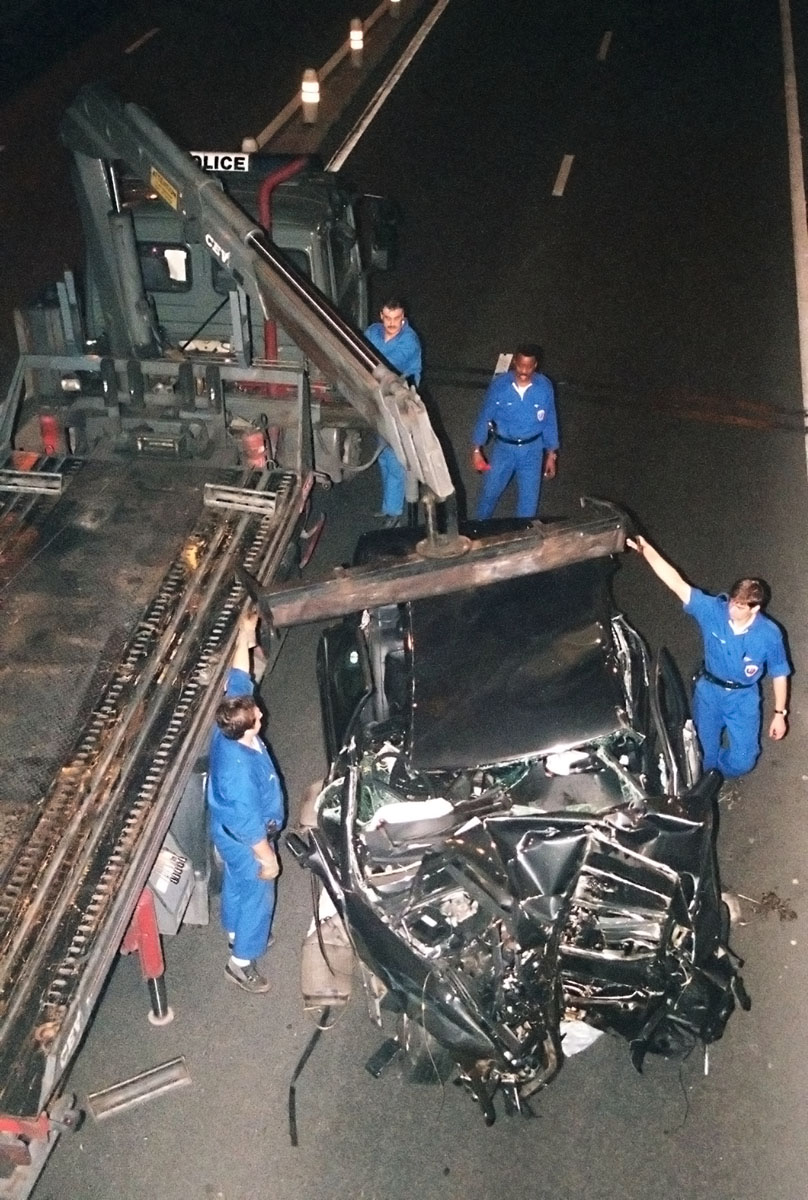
{"x":67,"y":896}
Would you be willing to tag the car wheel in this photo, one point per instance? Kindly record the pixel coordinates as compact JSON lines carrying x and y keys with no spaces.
{"x":428,"y":1061}
{"x":672,"y":1041}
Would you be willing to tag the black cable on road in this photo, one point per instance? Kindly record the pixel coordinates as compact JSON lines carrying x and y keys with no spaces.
{"x":304,"y":1058}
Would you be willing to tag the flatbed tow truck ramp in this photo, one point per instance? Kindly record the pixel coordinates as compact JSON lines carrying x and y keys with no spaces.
{"x":124,"y":520}
{"x":119,"y":606}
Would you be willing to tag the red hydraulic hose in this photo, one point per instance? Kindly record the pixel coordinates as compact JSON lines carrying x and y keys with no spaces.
{"x":268,"y":185}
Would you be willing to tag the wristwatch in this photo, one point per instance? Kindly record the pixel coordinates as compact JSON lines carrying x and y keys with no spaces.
{"x":781,"y":712}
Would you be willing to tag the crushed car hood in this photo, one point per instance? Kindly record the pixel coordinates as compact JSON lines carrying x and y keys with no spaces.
{"x":513,"y":670}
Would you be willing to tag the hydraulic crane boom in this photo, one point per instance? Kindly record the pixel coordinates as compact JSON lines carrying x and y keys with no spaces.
{"x":100,"y":129}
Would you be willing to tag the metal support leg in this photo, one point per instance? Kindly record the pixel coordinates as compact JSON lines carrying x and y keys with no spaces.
{"x":143,"y":937}
{"x":161,"y":1012}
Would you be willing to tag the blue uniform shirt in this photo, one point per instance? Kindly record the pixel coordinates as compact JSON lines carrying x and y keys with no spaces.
{"x":738,"y":657}
{"x":244,"y":792}
{"x":518,"y":416}
{"x":403,"y":352}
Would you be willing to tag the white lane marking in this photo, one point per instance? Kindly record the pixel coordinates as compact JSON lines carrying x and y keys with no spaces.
{"x":563,"y":174}
{"x":605,"y":43}
{"x":386,"y":88}
{"x":797,"y":179}
{"x":141,"y":41}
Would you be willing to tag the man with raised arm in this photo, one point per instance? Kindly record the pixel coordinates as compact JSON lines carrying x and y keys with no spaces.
{"x":246,"y":806}
{"x":741,"y":644}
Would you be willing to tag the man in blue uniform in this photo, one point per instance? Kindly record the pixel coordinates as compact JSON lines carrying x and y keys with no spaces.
{"x":741,"y":644}
{"x":246,"y":813}
{"x":519,"y":409}
{"x":394,"y":338}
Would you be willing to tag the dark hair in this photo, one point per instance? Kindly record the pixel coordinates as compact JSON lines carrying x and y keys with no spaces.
{"x":750,"y":591}
{"x":393,"y":302}
{"x":529,"y":350}
{"x":235,"y":716}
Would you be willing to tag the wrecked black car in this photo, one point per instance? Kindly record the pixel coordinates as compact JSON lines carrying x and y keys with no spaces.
{"x":515,"y":836}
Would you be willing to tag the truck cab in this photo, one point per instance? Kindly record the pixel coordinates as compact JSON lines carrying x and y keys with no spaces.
{"x":161,"y":289}
{"x":313,"y":221}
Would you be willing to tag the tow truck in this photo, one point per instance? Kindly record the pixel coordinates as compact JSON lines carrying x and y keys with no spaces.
{"x":135,"y":519}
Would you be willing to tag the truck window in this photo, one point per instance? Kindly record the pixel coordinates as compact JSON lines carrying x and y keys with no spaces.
{"x":165,"y":266}
{"x":347,"y":273}
{"x":223,"y":281}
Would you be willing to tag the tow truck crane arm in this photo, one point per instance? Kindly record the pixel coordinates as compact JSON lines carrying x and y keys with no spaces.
{"x":100,"y":129}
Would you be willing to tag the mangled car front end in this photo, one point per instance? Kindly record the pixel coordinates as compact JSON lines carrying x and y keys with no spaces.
{"x":513,"y":910}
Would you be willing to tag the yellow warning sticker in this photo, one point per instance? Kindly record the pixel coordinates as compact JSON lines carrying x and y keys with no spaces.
{"x":165,"y":190}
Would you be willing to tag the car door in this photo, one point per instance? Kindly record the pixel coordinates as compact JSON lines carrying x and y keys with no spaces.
{"x":345,"y":683}
{"x":677,"y":735}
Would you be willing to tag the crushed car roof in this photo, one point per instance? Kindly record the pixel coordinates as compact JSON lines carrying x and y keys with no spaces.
{"x":513,"y":670}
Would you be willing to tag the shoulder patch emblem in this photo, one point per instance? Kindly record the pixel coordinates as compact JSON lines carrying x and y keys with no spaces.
{"x":540,"y":414}
{"x":749,"y":670}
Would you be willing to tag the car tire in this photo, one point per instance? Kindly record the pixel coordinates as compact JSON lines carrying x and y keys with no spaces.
{"x":672,"y":1041}
{"x":428,"y":1061}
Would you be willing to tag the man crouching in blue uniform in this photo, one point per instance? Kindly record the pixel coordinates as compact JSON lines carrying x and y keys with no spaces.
{"x":246,"y":806}
{"x":741,"y":644}
{"x":519,"y":409}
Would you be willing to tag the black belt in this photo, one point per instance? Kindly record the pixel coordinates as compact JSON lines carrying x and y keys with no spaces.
{"x":272,"y":832}
{"x":517,"y":441}
{"x":703,"y":673}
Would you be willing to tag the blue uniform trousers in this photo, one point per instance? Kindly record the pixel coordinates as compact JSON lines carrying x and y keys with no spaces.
{"x":394,"y":481}
{"x":525,"y":462}
{"x":717,"y":710}
{"x":248,"y":903}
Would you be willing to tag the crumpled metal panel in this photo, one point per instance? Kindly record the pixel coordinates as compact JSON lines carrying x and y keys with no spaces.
{"x":509,"y":921}
{"x":504,"y":891}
